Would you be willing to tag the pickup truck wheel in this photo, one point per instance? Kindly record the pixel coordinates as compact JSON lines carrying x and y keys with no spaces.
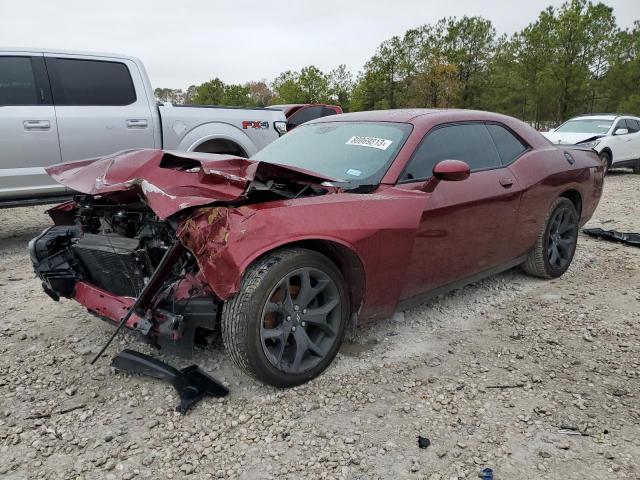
{"x":287,"y":322}
{"x":636,"y":167}
{"x":556,"y":243}
{"x":605,"y":157}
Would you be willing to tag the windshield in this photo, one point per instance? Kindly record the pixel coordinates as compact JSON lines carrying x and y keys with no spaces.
{"x":586,"y":125}
{"x":358,"y":152}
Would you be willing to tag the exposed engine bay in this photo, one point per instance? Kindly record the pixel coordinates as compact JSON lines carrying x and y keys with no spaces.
{"x":115,"y":248}
{"x":109,"y":247}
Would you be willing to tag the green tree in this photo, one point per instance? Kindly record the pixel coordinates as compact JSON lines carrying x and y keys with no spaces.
{"x":260,"y":93}
{"x":237,"y":95}
{"x":314,"y":85}
{"x":210,"y":93}
{"x":287,"y":88}
{"x":341,"y":86}
{"x":469,"y":44}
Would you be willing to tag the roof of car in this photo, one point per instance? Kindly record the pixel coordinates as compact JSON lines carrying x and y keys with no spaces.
{"x":411,"y":115}
{"x":597,"y":116}
{"x":56,"y":51}
{"x":399,"y":115}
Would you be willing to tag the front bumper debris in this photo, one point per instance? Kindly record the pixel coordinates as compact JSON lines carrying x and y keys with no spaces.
{"x":614,"y":236}
{"x":191,"y":383}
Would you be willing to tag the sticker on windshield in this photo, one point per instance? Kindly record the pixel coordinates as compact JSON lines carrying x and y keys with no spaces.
{"x":379,"y":143}
{"x":354,"y":173}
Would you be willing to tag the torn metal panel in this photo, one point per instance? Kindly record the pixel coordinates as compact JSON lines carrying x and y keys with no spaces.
{"x":225,"y":240}
{"x":172,"y":181}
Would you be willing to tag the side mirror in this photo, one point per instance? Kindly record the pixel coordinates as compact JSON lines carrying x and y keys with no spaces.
{"x":621,"y":131}
{"x":451,"y":170}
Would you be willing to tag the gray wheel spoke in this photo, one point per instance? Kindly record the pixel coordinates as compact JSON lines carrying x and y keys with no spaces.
{"x":273,"y":333}
{"x":287,"y":302}
{"x":564,"y":244}
{"x":273,"y":307}
{"x":318,"y":316}
{"x":312,"y":347}
{"x":568,"y":226}
{"x":553,"y":254}
{"x":301,"y":349}
{"x":307,"y":292}
{"x":302,"y":336}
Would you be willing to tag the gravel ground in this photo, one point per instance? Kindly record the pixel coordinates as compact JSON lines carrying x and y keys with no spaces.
{"x":565,"y":351}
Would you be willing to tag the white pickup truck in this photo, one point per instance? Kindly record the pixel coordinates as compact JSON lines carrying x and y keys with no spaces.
{"x":61,"y":106}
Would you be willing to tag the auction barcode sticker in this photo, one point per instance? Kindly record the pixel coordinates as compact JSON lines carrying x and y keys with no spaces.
{"x":379,"y":143}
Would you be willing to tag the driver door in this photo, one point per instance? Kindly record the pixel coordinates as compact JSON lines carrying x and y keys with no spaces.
{"x":628,"y":144}
{"x":466,"y":226}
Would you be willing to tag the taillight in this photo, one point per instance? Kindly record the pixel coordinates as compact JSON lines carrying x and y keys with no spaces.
{"x":281,"y":127}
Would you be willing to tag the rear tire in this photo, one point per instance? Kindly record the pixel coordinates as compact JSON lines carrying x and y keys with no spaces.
{"x":605,"y":158}
{"x":636,"y":167}
{"x":287,"y":322}
{"x":556,"y":243}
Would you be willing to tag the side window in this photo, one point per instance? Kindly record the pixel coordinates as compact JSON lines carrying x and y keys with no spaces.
{"x":508,"y":145}
{"x":17,"y":82}
{"x":304,"y":115}
{"x":632,"y":125}
{"x":328,"y":111}
{"x":470,"y":143}
{"x":620,"y":124}
{"x":91,"y":82}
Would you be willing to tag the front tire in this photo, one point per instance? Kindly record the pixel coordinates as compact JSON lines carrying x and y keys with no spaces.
{"x":556,"y":243}
{"x":636,"y":167}
{"x":605,"y":158}
{"x":287,"y":322}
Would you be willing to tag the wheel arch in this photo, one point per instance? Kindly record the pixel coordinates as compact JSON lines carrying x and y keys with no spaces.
{"x":342,"y":255}
{"x":213,"y":131}
{"x":575,"y":197}
{"x":607,"y":150}
{"x":222,"y":145}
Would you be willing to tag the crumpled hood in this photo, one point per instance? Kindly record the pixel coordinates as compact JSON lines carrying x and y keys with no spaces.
{"x":172,"y":181}
{"x":569,"y":138}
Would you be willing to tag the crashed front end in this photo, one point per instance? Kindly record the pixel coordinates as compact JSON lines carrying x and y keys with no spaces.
{"x":135,"y":209}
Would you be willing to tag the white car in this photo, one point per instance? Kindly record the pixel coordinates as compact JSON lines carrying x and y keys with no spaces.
{"x":616,"y":138}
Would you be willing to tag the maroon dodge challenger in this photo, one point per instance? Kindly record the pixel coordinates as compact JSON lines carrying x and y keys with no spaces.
{"x":342,"y":221}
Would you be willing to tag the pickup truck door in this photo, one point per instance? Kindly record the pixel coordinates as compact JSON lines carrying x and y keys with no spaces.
{"x":101,"y":106}
{"x":28,"y":130}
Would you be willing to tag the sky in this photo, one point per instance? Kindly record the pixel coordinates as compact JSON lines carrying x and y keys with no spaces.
{"x":191,"y":41}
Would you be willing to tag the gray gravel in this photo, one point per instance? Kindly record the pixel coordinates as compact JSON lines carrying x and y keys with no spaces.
{"x":568,"y":351}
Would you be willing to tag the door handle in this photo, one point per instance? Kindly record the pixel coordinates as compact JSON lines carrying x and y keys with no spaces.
{"x":137,"y":123}
{"x":506,"y":182}
{"x":37,"y":124}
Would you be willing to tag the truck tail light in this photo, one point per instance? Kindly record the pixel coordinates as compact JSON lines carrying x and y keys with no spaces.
{"x":281,"y":127}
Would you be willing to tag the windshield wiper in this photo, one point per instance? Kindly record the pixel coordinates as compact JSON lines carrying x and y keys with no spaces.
{"x":361,"y":188}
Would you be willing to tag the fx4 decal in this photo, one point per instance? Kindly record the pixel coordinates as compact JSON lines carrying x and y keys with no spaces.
{"x":253,"y":124}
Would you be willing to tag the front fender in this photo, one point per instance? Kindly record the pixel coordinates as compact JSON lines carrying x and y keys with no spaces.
{"x":379,"y":229}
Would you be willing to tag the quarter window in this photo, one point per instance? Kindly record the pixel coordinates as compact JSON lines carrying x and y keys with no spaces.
{"x":91,"y":82}
{"x":17,"y":82}
{"x":470,"y":143}
{"x":508,"y":145}
{"x":304,"y":115}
